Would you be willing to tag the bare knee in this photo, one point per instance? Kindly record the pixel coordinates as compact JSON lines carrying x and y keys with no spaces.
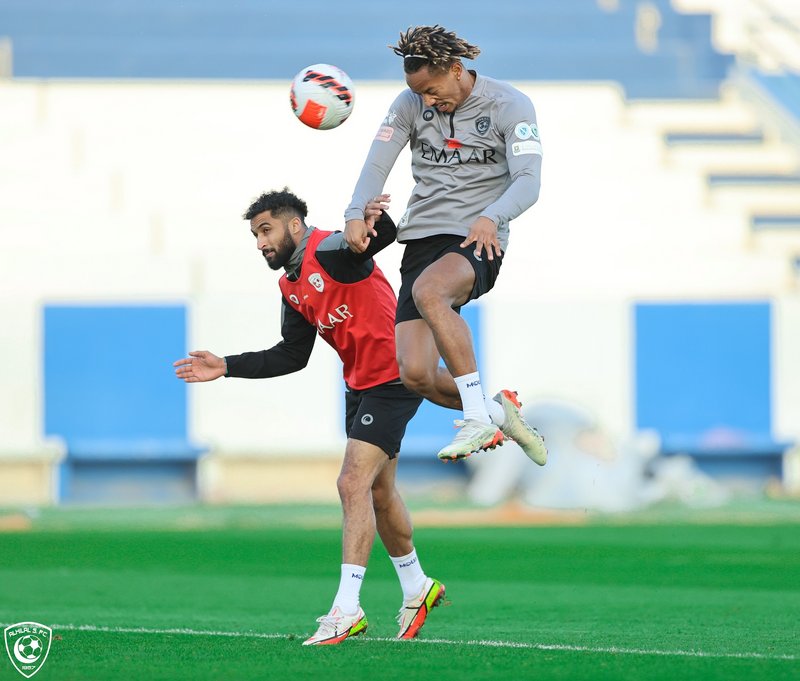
{"x":351,"y":486}
{"x":427,"y":297}
{"x":416,"y":376}
{"x":445,"y":283}
{"x":416,"y":371}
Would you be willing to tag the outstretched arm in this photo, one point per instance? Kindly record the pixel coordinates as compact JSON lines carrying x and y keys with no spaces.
{"x":200,"y":366}
{"x":288,"y":356}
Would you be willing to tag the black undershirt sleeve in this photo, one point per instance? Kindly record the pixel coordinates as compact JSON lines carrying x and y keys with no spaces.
{"x":347,"y":266}
{"x":288,"y":356}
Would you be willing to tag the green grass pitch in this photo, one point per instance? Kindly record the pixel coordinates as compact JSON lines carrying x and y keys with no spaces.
{"x":201,"y":597}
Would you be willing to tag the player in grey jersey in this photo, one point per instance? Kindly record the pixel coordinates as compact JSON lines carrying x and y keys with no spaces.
{"x":476,"y":160}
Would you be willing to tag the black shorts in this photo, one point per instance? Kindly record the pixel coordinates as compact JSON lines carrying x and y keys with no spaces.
{"x":380,"y":415}
{"x":420,"y":253}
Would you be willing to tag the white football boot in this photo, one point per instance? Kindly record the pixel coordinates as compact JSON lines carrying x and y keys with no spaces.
{"x":474,"y":436}
{"x":335,"y":627}
{"x":516,"y":428}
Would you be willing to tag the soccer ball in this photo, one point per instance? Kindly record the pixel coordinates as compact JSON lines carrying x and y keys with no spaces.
{"x":30,"y":647}
{"x":322,"y":96}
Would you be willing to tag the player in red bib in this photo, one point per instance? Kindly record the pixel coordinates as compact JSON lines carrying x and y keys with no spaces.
{"x":331,"y":291}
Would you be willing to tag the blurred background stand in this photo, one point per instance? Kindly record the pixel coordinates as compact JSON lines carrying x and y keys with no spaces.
{"x":29,"y":471}
{"x":587,"y":470}
{"x":145,"y":126}
{"x":112,"y":397}
{"x":6,"y":58}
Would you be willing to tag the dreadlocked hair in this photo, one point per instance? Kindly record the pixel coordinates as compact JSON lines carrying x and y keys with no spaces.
{"x":433,"y":46}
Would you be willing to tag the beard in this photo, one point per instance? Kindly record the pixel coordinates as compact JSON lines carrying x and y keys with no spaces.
{"x":281,"y":254}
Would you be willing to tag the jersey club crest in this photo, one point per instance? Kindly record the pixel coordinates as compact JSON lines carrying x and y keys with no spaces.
{"x":316,"y":281}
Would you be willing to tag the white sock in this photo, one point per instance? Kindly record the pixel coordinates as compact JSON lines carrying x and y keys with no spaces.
{"x":349,"y":588}
{"x":469,"y":387}
{"x":410,"y":573}
{"x":496,"y":411}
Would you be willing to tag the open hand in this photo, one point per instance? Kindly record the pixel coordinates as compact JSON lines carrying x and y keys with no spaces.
{"x":199,"y":366}
{"x":483,"y":233}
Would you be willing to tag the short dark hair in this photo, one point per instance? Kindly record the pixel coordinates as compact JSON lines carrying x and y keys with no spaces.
{"x":432,"y":46}
{"x":279,"y":203}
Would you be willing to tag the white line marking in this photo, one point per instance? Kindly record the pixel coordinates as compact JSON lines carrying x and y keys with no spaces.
{"x":611,"y":650}
{"x":177,"y":631}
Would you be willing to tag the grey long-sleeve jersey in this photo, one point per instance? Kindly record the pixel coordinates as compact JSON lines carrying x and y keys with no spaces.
{"x":484,"y":159}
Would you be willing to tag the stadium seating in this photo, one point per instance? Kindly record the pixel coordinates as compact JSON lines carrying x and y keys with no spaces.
{"x":648,"y":47}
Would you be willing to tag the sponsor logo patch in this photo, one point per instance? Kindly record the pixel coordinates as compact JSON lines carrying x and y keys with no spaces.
{"x":427,"y":115}
{"x":367,"y":419}
{"x":523,"y":131}
{"x":385,"y":133}
{"x":527,"y":147}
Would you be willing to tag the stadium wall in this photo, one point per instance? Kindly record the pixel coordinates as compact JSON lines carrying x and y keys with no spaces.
{"x":132,"y":192}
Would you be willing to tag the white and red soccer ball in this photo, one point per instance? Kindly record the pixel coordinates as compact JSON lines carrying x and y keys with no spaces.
{"x":322,"y":96}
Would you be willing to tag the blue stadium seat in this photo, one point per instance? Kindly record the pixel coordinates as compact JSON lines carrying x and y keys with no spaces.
{"x":771,"y":221}
{"x":714,"y":137}
{"x":704,"y":383}
{"x":112,"y":397}
{"x":751,"y":179}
